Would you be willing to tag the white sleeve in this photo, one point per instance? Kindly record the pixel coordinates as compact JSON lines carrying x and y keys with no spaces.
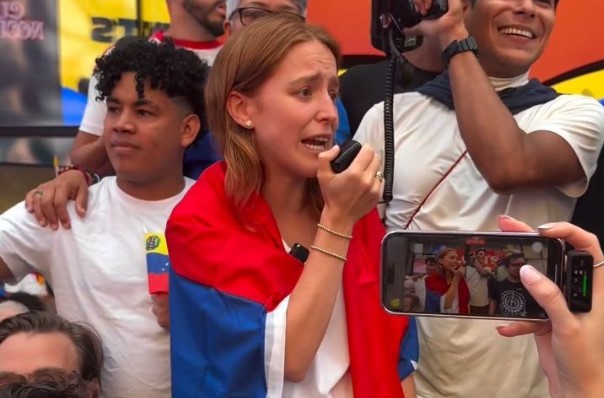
{"x":24,"y":246}
{"x":371,"y":129}
{"x":579,"y":120}
{"x":94,"y":114}
{"x":274,"y":349}
{"x":454,"y":305}
{"x":420,"y":292}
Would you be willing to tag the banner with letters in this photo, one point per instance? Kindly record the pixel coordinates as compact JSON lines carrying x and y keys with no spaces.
{"x":30,"y":89}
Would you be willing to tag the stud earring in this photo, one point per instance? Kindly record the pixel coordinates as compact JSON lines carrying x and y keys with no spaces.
{"x":248,"y":124}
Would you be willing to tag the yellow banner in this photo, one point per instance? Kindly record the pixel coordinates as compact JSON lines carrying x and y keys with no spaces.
{"x":88,"y":27}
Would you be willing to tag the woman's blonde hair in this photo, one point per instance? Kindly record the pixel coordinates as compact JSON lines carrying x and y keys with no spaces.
{"x":441,"y":254}
{"x":247,"y":60}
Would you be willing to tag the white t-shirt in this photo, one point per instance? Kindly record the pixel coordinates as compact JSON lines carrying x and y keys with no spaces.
{"x":328,"y":375}
{"x":98,"y":271}
{"x":467,"y":358}
{"x":478,"y":287}
{"x":94,"y":113}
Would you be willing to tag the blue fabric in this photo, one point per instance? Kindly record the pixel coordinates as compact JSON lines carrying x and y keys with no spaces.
{"x":432,"y":302}
{"x":217,"y":343}
{"x":343,"y":132}
{"x":73,"y":105}
{"x":516,"y":99}
{"x":199,"y":156}
{"x":409,"y":350}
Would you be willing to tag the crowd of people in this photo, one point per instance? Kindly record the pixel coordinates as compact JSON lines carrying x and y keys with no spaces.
{"x":254,"y":122}
{"x":451,"y":284}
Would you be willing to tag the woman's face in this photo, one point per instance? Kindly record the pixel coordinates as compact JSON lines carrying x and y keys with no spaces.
{"x":480,"y":256}
{"x":293,"y":114}
{"x":450,"y":261}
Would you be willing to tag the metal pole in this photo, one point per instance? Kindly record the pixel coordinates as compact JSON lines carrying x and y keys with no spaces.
{"x":139,"y":18}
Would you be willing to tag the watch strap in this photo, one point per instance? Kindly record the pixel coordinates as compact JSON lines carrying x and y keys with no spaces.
{"x":459,"y":46}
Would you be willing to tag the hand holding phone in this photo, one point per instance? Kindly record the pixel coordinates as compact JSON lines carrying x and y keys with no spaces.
{"x":558,"y":341}
{"x":406,"y":253}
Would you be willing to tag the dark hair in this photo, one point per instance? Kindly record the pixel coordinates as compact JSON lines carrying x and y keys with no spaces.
{"x":84,"y":338}
{"x":480,"y":250}
{"x":175,"y":71}
{"x":512,"y":257}
{"x":43,"y":383}
{"x":33,"y":303}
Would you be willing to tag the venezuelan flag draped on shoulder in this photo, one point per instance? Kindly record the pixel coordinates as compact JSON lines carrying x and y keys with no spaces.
{"x":230,"y":272}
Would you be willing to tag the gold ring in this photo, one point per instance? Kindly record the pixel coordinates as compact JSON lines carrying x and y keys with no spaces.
{"x":599,"y":264}
{"x":379,"y":176}
{"x":38,"y":193}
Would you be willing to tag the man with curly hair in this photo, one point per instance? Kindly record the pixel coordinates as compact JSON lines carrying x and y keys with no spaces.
{"x":98,"y":268}
{"x":48,"y":200}
{"x":195,"y":25}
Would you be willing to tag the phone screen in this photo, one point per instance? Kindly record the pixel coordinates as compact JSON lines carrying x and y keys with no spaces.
{"x":465,"y":274}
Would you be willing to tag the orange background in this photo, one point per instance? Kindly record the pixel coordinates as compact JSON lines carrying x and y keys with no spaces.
{"x":575,"y":41}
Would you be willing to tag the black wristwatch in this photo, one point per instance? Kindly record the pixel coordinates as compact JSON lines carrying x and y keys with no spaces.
{"x":456,"y":47}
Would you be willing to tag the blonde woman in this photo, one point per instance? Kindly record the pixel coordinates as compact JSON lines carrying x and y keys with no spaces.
{"x":247,"y":318}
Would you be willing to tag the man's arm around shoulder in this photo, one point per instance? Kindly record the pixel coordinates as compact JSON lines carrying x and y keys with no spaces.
{"x":88,"y":149}
{"x":89,"y":152}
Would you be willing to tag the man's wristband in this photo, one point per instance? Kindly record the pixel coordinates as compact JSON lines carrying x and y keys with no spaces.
{"x":90,"y":176}
{"x":459,"y":46}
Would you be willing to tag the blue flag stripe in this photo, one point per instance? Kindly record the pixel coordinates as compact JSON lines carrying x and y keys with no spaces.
{"x":217,"y":343}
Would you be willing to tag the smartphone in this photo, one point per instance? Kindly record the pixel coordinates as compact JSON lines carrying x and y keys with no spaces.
{"x":466,"y":274}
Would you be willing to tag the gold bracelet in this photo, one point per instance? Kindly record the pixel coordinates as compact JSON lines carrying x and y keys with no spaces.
{"x":328,"y":253}
{"x":331,"y":231}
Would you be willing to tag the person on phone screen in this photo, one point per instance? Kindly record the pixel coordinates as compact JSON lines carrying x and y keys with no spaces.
{"x":509,"y":297}
{"x":446,"y":288}
{"x":477,"y":276}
